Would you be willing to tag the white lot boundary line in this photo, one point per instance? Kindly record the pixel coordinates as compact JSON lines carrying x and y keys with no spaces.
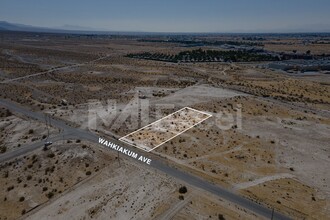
{"x":199,"y":111}
{"x":124,"y":137}
{"x":125,"y":141}
{"x":180,"y":133}
{"x":153,"y":123}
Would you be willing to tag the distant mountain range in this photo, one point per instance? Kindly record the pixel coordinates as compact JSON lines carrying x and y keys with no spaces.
{"x":72,"y":29}
{"x":6,"y":26}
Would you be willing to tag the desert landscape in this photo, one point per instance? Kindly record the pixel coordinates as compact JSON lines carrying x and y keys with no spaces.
{"x":264,"y":135}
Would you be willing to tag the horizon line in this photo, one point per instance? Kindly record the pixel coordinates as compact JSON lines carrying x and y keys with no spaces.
{"x":59,"y":30}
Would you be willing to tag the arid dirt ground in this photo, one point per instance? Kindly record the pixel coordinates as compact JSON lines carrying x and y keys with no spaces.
{"x":267,"y":139}
{"x":165,"y":129}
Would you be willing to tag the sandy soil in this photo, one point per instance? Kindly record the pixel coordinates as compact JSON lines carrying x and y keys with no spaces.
{"x":161,"y":131}
{"x":128,"y":191}
{"x":18,"y":131}
{"x":34,"y":179}
{"x":277,"y":154}
{"x":197,"y":94}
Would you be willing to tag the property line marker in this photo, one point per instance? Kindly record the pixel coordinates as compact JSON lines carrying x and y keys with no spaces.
{"x":125,"y":139}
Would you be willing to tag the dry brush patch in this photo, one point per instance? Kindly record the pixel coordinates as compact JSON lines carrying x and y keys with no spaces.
{"x":165,"y":129}
{"x":17,"y":131}
{"x":34,"y":179}
{"x":291,"y":197}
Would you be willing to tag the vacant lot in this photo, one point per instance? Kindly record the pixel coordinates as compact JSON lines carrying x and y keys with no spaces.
{"x":267,"y":138}
{"x":165,"y":129}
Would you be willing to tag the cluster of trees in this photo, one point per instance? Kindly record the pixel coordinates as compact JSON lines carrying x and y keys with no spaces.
{"x":204,"y":43}
{"x":206,"y":56}
{"x":153,"y":56}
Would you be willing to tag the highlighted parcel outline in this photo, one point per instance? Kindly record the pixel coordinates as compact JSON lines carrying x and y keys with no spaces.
{"x":161,"y":131}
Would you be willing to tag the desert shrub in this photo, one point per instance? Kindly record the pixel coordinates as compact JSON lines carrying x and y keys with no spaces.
{"x":10,"y":188}
{"x":8,"y":113}
{"x":6,"y":174}
{"x":220,"y":217}
{"x":50,"y":195}
{"x":3,"y":149}
{"x":183,"y":189}
{"x":51,"y":155}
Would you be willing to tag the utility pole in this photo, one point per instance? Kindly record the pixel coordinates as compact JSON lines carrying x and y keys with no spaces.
{"x":46,"y":142}
{"x":48,"y":124}
{"x":118,"y":158}
{"x":47,"y":127}
{"x":49,"y":121}
{"x":74,"y":93}
{"x":272,"y":214}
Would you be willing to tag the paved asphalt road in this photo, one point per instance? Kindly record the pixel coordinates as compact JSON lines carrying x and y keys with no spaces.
{"x":28,"y":148}
{"x":157,"y":163}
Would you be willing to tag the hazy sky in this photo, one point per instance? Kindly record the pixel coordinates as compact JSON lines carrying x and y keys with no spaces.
{"x":173,"y":15}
